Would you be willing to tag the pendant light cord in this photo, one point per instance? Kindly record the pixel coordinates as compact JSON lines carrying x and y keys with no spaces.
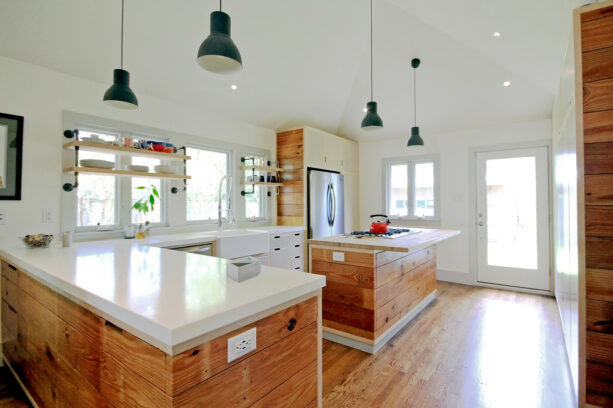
{"x":122,"y":12}
{"x":414,"y":96}
{"x":219,"y":5}
{"x":371,"y":93}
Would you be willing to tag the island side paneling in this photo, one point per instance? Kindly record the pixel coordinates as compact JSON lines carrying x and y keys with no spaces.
{"x":369,"y":291}
{"x":67,"y":356}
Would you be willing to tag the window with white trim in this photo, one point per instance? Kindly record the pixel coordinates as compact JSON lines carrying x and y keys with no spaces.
{"x":206,"y":168}
{"x":412,"y":187}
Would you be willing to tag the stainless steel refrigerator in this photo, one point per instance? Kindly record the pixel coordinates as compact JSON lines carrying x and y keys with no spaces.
{"x":326,"y":204}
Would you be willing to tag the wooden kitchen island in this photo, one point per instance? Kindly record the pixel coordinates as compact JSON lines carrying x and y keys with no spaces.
{"x":120,"y":324}
{"x":374,"y":286}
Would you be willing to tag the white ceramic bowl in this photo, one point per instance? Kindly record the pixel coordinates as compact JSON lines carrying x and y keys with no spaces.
{"x":165,"y":169}
{"x":99,"y":164}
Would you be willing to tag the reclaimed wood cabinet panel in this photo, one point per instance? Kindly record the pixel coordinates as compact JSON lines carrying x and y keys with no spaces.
{"x":298,"y":391}
{"x":598,"y":158}
{"x":598,"y":64}
{"x":597,"y":127}
{"x":354,"y":258}
{"x":599,"y":316}
{"x":245,"y":383}
{"x":599,"y":189}
{"x":599,"y":284}
{"x":599,"y":221}
{"x":599,"y":253}
{"x":598,"y":96}
{"x":194,"y":366}
{"x":394,"y":270}
{"x":597,"y":34}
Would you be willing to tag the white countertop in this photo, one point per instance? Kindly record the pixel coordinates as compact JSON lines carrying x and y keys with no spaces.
{"x":170,"y":296}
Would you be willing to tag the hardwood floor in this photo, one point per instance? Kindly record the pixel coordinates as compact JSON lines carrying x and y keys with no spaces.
{"x":472,"y":347}
{"x":11,"y":395}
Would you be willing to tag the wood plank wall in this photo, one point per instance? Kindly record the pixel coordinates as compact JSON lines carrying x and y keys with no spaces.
{"x":597,"y":60}
{"x":290,"y":202}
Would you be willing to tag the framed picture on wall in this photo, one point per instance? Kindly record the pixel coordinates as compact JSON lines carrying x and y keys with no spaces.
{"x":11,"y":152}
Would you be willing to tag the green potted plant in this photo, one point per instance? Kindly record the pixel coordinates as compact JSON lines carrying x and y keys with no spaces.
{"x":144,"y":206}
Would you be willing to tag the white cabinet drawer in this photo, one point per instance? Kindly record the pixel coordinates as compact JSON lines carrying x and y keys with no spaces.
{"x":281,"y":258}
{"x":297,"y":262}
{"x":297,"y":238}
{"x":278,"y":241}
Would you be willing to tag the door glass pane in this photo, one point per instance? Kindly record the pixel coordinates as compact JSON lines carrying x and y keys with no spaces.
{"x":511,"y":212}
{"x":424,"y":190}
{"x":398,"y":190}
{"x":137,"y":194}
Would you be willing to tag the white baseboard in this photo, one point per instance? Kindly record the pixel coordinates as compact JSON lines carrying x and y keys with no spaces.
{"x":455,"y":277}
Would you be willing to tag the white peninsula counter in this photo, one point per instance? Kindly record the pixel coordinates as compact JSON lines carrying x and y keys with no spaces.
{"x":130,"y":324}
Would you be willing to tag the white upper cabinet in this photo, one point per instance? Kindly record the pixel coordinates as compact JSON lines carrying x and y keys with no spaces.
{"x":329,"y":152}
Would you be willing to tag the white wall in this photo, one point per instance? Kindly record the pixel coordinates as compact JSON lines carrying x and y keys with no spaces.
{"x":40,"y":95}
{"x":456,"y":155}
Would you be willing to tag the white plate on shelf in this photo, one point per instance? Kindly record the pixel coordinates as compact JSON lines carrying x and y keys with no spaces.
{"x":136,"y":167}
{"x":98,"y":164}
{"x":165,"y":169}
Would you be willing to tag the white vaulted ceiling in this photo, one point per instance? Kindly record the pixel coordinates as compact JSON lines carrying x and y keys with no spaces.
{"x":307,"y":62}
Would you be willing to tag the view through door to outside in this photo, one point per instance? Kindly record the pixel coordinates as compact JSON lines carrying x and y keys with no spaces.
{"x":513,"y":218}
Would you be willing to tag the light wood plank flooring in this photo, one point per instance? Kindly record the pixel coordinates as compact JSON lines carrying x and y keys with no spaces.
{"x":472,"y":347}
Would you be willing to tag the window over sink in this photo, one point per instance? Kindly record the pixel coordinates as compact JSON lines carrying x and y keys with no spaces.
{"x":412,"y":187}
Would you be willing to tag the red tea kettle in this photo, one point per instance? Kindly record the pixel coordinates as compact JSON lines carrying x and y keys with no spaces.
{"x":378,"y":226}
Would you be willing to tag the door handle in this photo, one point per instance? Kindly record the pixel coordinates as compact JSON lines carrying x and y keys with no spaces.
{"x":333,"y":205}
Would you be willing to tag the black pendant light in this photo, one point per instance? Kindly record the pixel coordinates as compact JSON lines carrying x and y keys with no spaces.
{"x":119,"y":95}
{"x":218,"y":53}
{"x":415,"y":139}
{"x":372,"y":120}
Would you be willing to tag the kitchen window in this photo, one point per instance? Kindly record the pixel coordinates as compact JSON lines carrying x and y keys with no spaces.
{"x":412,"y":187}
{"x":206,"y":168}
{"x":254,"y":203}
{"x":155,"y":216}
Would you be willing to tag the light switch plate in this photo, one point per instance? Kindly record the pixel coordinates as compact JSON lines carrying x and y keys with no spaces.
{"x":242,"y":344}
{"x":48,"y":216}
{"x":338,"y":256}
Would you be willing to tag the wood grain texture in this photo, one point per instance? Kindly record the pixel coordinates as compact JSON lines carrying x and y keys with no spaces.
{"x":597,"y":34}
{"x":353,"y":316}
{"x":461,"y":351}
{"x":10,"y":272}
{"x":599,"y":221}
{"x":599,"y":378}
{"x":398,"y":286}
{"x":369,"y":335}
{"x":598,"y":65}
{"x":599,"y":315}
{"x":598,"y":158}
{"x":145,"y":360}
{"x":599,"y":284}
{"x":598,"y":12}
{"x":10,"y":292}
{"x":291,"y":200}
{"x":599,"y":348}
{"x":353,"y":258}
{"x":348,"y":294}
{"x":597,"y":127}
{"x":394,"y":270}
{"x":247,"y":382}
{"x":599,"y":253}
{"x":347,"y":274}
{"x":194,"y":366}
{"x":299,"y":391}
{"x":598,"y":96}
{"x":599,"y":189}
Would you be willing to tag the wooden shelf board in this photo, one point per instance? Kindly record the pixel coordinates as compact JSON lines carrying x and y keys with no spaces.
{"x":261,"y":183}
{"x":268,"y":169}
{"x":111,"y":172}
{"x":127,"y":151}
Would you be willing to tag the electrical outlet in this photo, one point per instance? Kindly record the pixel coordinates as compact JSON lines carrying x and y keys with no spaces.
{"x":242,"y":344}
{"x":48,"y":216}
{"x":2,"y":217}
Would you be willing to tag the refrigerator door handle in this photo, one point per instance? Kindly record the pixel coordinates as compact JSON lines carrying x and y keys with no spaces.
{"x":333,"y":205}
{"x":328,"y":204}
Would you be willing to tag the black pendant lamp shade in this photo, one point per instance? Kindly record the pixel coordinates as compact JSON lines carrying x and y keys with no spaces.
{"x":415,"y":139}
{"x":372,"y":120}
{"x":218,"y":53}
{"x":119,"y":95}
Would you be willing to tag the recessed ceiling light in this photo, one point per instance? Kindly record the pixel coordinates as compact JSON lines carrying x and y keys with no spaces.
{"x":496,"y":34}
{"x":506,"y":83}
{"x":234,"y":87}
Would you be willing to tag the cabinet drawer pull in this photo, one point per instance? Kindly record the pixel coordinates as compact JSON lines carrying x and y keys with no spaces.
{"x":292,"y":324}
{"x":277,"y":249}
{"x":297,"y":234}
{"x":113,"y":326}
{"x":297,"y":246}
{"x":297,"y":257}
{"x":12,"y":267}
{"x":277,"y":236}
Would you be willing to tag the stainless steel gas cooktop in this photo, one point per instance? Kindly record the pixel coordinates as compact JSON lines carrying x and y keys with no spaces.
{"x":390,"y":234}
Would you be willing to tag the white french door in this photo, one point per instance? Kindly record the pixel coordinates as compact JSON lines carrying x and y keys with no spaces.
{"x":513,"y":218}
